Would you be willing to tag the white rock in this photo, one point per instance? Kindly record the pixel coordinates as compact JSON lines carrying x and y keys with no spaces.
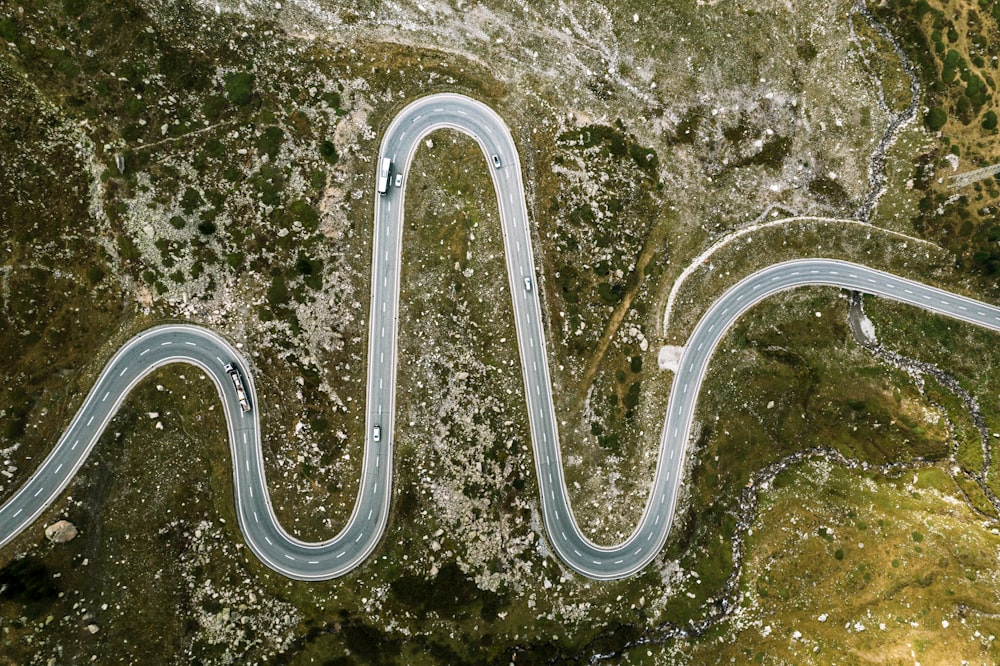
{"x":770,"y":404}
{"x":944,"y":624}
{"x":822,"y":618}
{"x":61,"y":531}
{"x":153,"y":415}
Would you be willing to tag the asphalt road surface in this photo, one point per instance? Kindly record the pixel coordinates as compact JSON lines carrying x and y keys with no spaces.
{"x":348,"y":549}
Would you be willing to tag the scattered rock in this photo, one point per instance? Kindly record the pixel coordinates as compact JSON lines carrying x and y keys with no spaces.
{"x":61,"y":532}
{"x":93,"y":628}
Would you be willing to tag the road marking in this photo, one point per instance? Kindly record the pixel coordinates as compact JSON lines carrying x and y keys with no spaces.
{"x":250,"y":488}
{"x":289,"y":557}
{"x":74,"y":445}
{"x":563,"y":535}
{"x":870,"y":280}
{"x":649,"y":537}
{"x":268,"y":540}
{"x":775,"y":278}
{"x":619,"y":561}
{"x":657,"y":521}
{"x":908,"y":291}
{"x":313,"y":562}
{"x":105,"y":396}
{"x":370,"y":513}
{"x":90,"y":420}
{"x":981,"y":314}
{"x":685,"y":388}
{"x":359,"y":537}
{"x":578,"y":553}
{"x":190,"y":344}
{"x":380,"y":383}
{"x":123,"y":371}
{"x":637,"y":551}
{"x":488,"y":129}
{"x":164,"y":344}
{"x":39,"y":491}
{"x":58,"y":468}
{"x":383,"y":306}
{"x":255,"y":517}
{"x":18,"y":512}
{"x":341,"y":554}
{"x":963,"y":308}
{"x":381,"y":357}
{"x":144,"y":352}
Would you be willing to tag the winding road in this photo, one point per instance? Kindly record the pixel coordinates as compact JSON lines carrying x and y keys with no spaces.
{"x":291,"y":557}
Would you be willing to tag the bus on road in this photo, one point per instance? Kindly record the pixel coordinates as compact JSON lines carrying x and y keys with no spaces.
{"x":383,"y":175}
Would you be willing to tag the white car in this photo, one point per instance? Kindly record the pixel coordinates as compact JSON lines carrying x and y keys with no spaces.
{"x":496,"y":161}
{"x":527,"y":284}
{"x":399,"y":180}
{"x":376,"y":433}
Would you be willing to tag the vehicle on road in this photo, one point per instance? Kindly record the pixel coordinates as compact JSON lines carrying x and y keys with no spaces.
{"x":241,"y":393}
{"x":376,"y":433}
{"x":399,"y":180}
{"x":496,"y":161}
{"x":383,"y":175}
{"x":527,"y":284}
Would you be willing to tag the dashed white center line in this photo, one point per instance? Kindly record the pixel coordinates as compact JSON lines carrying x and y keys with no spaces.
{"x":90,"y":420}
{"x":164,"y":344}
{"x":105,"y":396}
{"x":39,"y":492}
{"x":58,"y":468}
{"x":143,"y":352}
{"x":16,"y":513}
{"x":190,"y":344}
{"x":123,"y":371}
{"x":267,"y":539}
{"x":74,"y":445}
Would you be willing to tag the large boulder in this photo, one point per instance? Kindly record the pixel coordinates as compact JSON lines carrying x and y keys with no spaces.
{"x":61,"y":532}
